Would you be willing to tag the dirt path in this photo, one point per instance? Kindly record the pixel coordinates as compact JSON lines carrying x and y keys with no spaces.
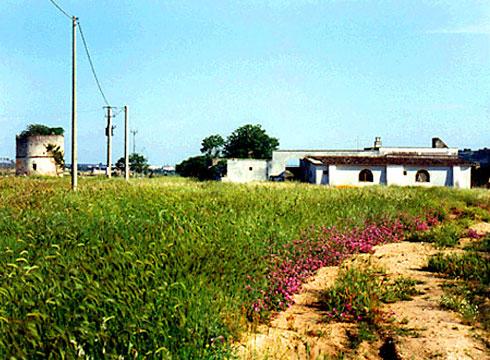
{"x":299,"y":333}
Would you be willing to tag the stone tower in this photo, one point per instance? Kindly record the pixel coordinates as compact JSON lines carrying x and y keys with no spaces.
{"x":40,"y":155}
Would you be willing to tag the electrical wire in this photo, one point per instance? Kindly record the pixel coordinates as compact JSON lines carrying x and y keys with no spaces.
{"x":119,"y":110}
{"x":60,"y":9}
{"x":92,"y":64}
{"x":92,"y":67}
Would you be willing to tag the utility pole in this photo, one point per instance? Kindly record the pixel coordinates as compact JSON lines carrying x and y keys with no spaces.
{"x":126,"y":144}
{"x":134,"y":132}
{"x":108,"y":132}
{"x":74,"y":149}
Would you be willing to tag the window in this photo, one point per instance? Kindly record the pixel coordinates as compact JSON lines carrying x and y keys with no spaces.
{"x":422,"y":176}
{"x":34,"y":167}
{"x":366,"y":176}
{"x":250,"y":168}
{"x":325,"y":172}
{"x":405,"y":172}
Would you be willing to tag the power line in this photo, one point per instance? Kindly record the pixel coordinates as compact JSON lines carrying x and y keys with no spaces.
{"x":60,"y":9}
{"x":92,"y":64}
{"x":26,"y":116}
{"x":92,"y":67}
{"x":119,"y":110}
{"x":86,"y":50}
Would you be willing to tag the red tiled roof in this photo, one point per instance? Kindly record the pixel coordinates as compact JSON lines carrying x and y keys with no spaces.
{"x":391,"y":160}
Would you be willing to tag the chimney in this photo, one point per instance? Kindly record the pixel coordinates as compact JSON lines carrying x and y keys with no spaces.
{"x":377,"y":142}
{"x":438,"y":143}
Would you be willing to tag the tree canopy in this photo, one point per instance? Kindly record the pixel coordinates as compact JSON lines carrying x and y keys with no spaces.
{"x":212,"y":146}
{"x":38,"y":129}
{"x":250,"y":141}
{"x":137,"y":163}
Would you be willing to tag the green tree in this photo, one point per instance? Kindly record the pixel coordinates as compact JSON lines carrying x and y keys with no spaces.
{"x":212,"y":146}
{"x":38,"y":129}
{"x":202,"y":168}
{"x":196,"y":167}
{"x":250,"y":141}
{"x":137,"y":163}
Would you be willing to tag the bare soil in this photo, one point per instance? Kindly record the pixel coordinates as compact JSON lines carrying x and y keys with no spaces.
{"x":430,"y":332}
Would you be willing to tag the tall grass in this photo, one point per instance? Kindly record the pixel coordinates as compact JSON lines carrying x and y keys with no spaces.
{"x":159,"y":267}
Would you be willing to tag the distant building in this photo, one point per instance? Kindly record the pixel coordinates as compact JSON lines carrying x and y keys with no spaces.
{"x":6,"y":163}
{"x":161,"y":170}
{"x":7,"y":166}
{"x":422,"y":166}
{"x":39,"y":155}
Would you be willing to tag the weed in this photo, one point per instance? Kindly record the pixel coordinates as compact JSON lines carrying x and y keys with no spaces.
{"x":469,"y":294}
{"x":359,"y":291}
{"x":400,"y":289}
{"x":363,"y":332}
{"x":407,"y":331}
{"x":476,"y":213}
{"x":160,"y":268}
{"x":483,"y":245}
{"x":461,"y":305}
{"x":467,"y":266}
{"x":445,"y":235}
{"x":470,"y":299}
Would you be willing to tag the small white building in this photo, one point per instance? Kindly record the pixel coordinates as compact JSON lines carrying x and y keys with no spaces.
{"x":246,"y":170}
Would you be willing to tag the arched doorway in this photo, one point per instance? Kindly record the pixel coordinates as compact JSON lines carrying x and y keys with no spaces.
{"x":422,"y":176}
{"x":366,"y":175}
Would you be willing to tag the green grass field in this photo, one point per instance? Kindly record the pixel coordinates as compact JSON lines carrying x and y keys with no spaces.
{"x":159,"y":267}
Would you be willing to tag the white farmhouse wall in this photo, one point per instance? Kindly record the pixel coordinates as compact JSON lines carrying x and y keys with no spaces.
{"x":246,"y":170}
{"x":439,"y":176}
{"x":280,"y":158}
{"x":399,"y":175}
{"x":349,"y":175}
{"x":395,"y":175}
{"x":462,"y":177}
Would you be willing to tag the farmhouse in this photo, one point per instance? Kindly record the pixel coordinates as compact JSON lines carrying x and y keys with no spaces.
{"x":438,"y":165}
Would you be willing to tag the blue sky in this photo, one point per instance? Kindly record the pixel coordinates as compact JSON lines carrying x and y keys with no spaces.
{"x":315,"y":74}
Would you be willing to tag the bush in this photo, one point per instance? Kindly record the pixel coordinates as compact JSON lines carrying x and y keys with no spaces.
{"x":201,"y":168}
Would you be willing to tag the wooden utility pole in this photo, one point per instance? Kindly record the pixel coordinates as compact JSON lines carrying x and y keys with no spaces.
{"x":109,"y":141}
{"x":126,"y":144}
{"x":74,"y":149}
